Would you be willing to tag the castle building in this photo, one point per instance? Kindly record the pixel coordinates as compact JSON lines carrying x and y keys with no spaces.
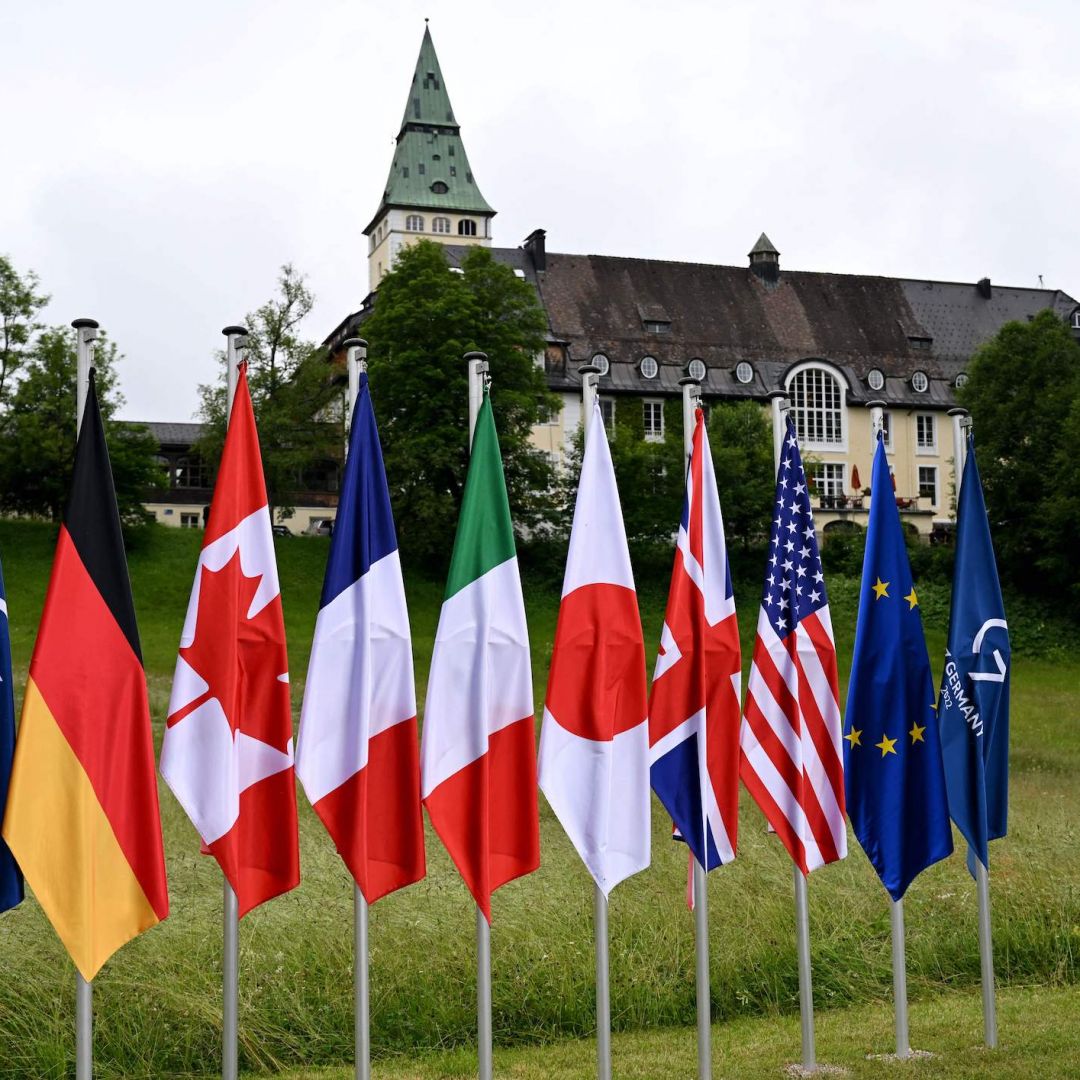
{"x":832,"y":343}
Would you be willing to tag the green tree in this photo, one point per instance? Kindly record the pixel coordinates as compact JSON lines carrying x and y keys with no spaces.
{"x":298,"y":407}
{"x":1024,"y":396}
{"x":20,"y":303}
{"x":740,"y":437}
{"x":425,"y":319}
{"x":38,"y":445}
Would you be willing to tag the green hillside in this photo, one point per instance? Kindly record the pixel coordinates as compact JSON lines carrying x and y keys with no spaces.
{"x":158,"y":1001}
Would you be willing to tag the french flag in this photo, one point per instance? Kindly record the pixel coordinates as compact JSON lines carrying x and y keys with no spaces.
{"x":357,"y":755}
{"x":694,"y":708}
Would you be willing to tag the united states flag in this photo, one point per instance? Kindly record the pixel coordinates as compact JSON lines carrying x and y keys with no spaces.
{"x":791,"y":759}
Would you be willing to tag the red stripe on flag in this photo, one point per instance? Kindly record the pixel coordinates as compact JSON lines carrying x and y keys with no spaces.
{"x":487,"y":813}
{"x":374,"y":818}
{"x":95,"y":688}
{"x":259,"y":854}
{"x":773,"y":814}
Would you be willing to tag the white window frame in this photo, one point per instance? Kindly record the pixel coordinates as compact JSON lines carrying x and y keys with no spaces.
{"x":829,"y":478}
{"x":656,"y":407}
{"x":933,"y":469}
{"x":926,"y":448}
{"x":870,"y":379}
{"x":1076,"y":319}
{"x":840,"y":445}
{"x":440,"y":225}
{"x":655,"y":366}
{"x":466,"y":227}
{"x":414,"y":223}
{"x":704,"y":369}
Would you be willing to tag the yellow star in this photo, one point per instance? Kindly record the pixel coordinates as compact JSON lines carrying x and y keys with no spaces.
{"x":886,"y":746}
{"x":853,"y":737}
{"x":916,"y":733}
{"x":881,"y":588}
{"x":912,"y":599}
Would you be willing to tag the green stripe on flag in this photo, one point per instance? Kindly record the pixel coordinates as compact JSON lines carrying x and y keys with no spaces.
{"x":485,"y":535}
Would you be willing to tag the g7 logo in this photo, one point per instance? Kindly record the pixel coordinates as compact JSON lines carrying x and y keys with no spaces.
{"x":976,"y":645}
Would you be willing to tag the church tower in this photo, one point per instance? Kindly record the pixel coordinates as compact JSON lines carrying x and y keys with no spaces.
{"x":430,"y":193}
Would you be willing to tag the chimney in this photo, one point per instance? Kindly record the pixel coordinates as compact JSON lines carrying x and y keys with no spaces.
{"x":983,"y":287}
{"x":765,"y":261}
{"x":535,"y":246}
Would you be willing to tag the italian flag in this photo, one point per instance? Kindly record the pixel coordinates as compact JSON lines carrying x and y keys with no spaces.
{"x":478,"y":753}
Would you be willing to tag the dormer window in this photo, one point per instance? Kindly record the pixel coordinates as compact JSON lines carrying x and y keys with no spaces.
{"x":656,"y":326}
{"x":649,"y":367}
{"x":920,"y":382}
{"x":601,"y":362}
{"x":696,"y":369}
{"x":744,"y":372}
{"x":960,"y":380}
{"x":439,"y":187}
{"x":875,"y":379}
{"x":1076,"y":319}
{"x":919,"y":343}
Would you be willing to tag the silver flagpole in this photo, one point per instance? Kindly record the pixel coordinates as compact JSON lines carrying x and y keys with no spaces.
{"x":899,"y":979}
{"x":230,"y":965}
{"x":691,"y":399}
{"x":356,"y":351}
{"x":961,"y":426}
{"x":86,"y":332}
{"x":779,"y":404}
{"x":478,"y":368}
{"x":590,"y":376}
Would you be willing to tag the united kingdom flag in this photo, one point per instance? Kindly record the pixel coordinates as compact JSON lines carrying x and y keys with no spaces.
{"x":694,"y":704}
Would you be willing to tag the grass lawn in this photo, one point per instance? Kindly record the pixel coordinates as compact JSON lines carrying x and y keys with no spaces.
{"x":158,"y":1002}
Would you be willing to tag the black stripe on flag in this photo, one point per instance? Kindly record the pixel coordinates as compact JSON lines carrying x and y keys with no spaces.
{"x":93,"y":520}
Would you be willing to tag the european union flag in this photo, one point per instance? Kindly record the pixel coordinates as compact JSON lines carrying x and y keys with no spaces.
{"x":974,"y":703}
{"x":11,"y":882}
{"x":892,"y":753}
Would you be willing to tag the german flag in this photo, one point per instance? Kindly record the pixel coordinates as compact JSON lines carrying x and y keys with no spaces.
{"x":82,"y":813}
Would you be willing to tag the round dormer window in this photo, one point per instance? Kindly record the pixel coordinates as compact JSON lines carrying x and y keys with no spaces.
{"x":696,"y":369}
{"x":649,"y":367}
{"x":920,"y":382}
{"x":960,"y":380}
{"x":439,"y":188}
{"x":744,"y":372}
{"x":600,"y":361}
{"x":875,"y":378}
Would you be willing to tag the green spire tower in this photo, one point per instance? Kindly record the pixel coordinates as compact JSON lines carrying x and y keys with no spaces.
{"x":430,"y":193}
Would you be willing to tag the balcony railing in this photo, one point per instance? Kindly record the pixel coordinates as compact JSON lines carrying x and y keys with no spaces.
{"x":905,"y":504}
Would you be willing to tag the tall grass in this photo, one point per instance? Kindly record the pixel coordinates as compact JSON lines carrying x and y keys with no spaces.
{"x":158,"y":1002}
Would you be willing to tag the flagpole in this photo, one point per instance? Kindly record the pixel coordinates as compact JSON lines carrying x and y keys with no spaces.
{"x":478,"y":368}
{"x":899,"y":978}
{"x":356,"y":352}
{"x":590,"y":376}
{"x":961,"y":421}
{"x":778,"y":400}
{"x":691,"y":400}
{"x":230,"y":965}
{"x":86,"y":333}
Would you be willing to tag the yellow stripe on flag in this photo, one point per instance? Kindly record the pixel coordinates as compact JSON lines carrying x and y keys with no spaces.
{"x":66,"y":847}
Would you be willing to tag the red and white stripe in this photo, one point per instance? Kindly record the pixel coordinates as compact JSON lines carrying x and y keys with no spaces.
{"x":791,"y":758}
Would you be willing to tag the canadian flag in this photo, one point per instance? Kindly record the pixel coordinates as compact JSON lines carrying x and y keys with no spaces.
{"x":228,"y":748}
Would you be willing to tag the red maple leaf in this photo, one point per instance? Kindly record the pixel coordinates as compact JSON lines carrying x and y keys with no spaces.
{"x":240,"y":658}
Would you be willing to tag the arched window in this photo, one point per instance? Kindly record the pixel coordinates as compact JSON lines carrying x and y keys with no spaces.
{"x":466,"y":227}
{"x":817,"y":402}
{"x":414,"y":223}
{"x":440,"y":225}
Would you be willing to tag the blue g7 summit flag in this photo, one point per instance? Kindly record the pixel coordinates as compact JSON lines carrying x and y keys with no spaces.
{"x":11,"y":881}
{"x":974,"y":703}
{"x":892,"y":754}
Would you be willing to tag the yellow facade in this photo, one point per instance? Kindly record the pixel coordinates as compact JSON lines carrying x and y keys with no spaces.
{"x":397,"y":229}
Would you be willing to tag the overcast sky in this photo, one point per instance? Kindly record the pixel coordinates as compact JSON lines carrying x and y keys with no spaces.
{"x":160,"y":162}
